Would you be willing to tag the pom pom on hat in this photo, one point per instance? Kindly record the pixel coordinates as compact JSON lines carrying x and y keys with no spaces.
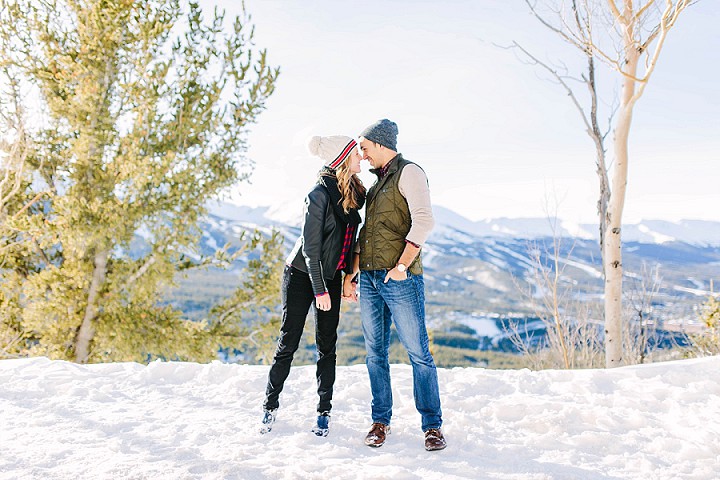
{"x":333,"y":150}
{"x":314,"y":145}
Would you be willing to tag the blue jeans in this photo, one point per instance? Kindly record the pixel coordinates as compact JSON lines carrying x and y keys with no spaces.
{"x":404,"y":303}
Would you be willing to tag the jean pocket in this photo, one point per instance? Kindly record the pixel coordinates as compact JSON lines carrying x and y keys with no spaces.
{"x":407,"y":277}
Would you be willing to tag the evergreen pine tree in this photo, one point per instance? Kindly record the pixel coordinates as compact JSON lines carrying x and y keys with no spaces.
{"x":139,"y":111}
{"x":708,"y":341}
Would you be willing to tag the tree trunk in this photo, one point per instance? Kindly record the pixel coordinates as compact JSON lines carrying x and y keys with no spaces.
{"x":612,"y":255}
{"x":612,"y":259}
{"x":87,"y":330}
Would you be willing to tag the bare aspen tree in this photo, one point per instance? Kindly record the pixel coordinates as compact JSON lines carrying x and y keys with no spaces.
{"x":627,"y":36}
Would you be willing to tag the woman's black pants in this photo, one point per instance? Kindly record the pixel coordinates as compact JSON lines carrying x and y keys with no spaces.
{"x":297,"y":299}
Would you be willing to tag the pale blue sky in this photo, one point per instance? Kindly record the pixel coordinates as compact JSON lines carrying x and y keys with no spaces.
{"x":495,"y":136}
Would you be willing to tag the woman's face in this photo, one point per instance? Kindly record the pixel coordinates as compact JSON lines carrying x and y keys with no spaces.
{"x":354,"y":161}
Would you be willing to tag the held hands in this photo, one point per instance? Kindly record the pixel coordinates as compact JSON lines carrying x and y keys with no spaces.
{"x":349,"y":292}
{"x":396,"y":275}
{"x":323,"y":302}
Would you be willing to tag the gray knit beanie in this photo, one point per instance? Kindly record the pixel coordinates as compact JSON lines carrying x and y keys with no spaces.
{"x":383,"y":132}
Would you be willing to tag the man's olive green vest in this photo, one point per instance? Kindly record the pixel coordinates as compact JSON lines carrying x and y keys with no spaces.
{"x":387,"y":222}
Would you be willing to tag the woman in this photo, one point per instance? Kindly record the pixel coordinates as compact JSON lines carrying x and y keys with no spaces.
{"x":314,"y":273}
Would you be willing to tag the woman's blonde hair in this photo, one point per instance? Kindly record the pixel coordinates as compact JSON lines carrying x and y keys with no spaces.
{"x":350,"y":186}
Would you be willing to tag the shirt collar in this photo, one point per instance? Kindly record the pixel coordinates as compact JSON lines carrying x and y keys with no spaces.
{"x":383,"y":171}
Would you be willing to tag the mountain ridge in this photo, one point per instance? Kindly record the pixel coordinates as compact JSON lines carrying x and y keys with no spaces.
{"x":694,"y":232}
{"x":478,"y":276}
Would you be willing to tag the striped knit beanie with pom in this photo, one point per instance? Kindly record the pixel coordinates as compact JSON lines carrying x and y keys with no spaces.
{"x":333,"y":150}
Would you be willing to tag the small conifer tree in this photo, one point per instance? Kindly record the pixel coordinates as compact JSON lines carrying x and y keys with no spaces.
{"x":135,"y":114}
{"x":708,"y":342}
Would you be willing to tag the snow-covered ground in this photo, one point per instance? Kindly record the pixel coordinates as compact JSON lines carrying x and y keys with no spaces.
{"x":59,"y":420}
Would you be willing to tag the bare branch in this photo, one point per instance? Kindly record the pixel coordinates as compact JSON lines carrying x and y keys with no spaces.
{"x":641,"y":11}
{"x":573,"y":40}
{"x":667,"y":20}
{"x":562,"y":82}
{"x":614,"y":9}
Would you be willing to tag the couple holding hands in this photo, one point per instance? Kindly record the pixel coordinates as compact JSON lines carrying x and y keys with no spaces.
{"x":332,"y":261}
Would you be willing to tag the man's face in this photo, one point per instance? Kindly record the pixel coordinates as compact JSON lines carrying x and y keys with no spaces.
{"x":370,"y":152}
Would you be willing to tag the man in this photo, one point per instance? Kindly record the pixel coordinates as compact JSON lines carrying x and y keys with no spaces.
{"x":398,"y":220}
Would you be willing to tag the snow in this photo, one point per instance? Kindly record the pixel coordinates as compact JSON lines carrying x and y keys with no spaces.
{"x":210,"y":241}
{"x":172,"y":420}
{"x":487,"y":279}
{"x":656,"y":236}
{"x":595,"y":273}
{"x":694,"y":291}
{"x":484,"y":326}
{"x":450,"y":226}
{"x":576,"y":230}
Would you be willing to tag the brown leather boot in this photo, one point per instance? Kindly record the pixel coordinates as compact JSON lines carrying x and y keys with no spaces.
{"x":434,"y":440}
{"x":377,"y":434}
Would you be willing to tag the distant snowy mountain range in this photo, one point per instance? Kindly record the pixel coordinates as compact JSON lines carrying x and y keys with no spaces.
{"x":483,"y":259}
{"x":694,"y":232}
{"x":477,"y":273}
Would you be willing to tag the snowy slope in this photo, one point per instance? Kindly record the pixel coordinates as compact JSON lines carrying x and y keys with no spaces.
{"x":190,"y":421}
{"x":473,"y":267}
{"x":694,"y":232}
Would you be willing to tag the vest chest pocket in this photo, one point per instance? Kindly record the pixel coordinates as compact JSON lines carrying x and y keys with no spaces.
{"x":384,"y":202}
